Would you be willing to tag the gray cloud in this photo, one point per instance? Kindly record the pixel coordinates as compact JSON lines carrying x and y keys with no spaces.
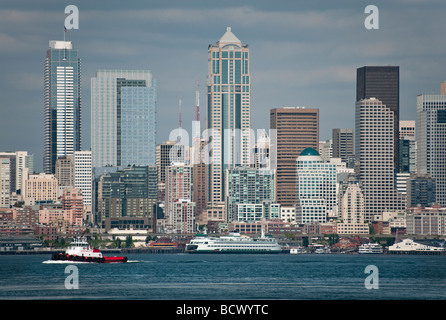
{"x":301,"y":54}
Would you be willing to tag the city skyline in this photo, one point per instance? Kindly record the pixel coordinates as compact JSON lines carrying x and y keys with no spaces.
{"x":321,"y":46}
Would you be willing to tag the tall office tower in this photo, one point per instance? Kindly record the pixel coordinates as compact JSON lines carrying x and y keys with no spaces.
{"x":123,"y":118}
{"x":248,"y":186}
{"x":296,"y":129}
{"x":200,"y":182}
{"x":374,"y":151}
{"x":316,"y":188}
{"x":343,"y":144}
{"x":62,"y":103}
{"x":431,"y":141}
{"x":179,"y":187}
{"x":382,"y":83}
{"x":127,"y":197}
{"x":83,"y":177}
{"x":228,"y":109}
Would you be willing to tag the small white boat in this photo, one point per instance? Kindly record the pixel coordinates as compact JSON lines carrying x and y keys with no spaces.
{"x":298,"y":250}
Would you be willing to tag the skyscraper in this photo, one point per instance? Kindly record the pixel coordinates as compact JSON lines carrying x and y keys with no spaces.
{"x":179,"y":209}
{"x":228,"y":109}
{"x":297,"y":128}
{"x":248,"y":186}
{"x":431,"y":141}
{"x":316,"y":187}
{"x":382,"y":83}
{"x":374,"y":151}
{"x":123,"y":118}
{"x":62,"y":103}
{"x":343,"y":144}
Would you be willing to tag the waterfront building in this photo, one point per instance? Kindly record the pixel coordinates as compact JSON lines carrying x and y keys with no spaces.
{"x":316,"y":188}
{"x":374,"y":151}
{"x":426,"y":221}
{"x":343,"y":144}
{"x":123,"y":118}
{"x":182,"y":213}
{"x":252,"y":186}
{"x":62,"y":103}
{"x":229,"y":110}
{"x":431,"y":141}
{"x":297,"y":128}
{"x":382,"y":83}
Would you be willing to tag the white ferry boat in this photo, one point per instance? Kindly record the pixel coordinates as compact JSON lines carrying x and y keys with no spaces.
{"x":410,"y":246}
{"x":370,"y":248}
{"x":233,"y":243}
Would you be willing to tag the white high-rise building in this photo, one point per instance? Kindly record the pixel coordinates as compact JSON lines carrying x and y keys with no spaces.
{"x":316,"y":188}
{"x":83,"y":176}
{"x":229,"y":108}
{"x":431,"y":141}
{"x":62,"y":102}
{"x":5,"y":182}
{"x":374,"y":151}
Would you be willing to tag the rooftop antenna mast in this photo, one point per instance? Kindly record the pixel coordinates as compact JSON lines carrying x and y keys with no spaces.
{"x":179,"y":106}
{"x":197,"y":101}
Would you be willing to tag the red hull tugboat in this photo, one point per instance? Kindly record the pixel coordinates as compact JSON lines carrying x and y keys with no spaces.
{"x":79,"y":250}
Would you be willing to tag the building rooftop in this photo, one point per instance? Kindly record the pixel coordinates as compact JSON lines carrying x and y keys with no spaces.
{"x":309,"y":152}
{"x":229,"y":37}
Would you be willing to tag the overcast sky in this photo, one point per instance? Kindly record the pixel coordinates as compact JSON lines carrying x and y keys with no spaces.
{"x":303,"y":53}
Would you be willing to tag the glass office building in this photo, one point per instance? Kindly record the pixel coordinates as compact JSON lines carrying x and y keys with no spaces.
{"x":431,"y":141}
{"x":123,"y":118}
{"x":62,"y":103}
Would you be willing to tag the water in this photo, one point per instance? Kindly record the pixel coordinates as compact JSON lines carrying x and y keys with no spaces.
{"x":229,"y":276}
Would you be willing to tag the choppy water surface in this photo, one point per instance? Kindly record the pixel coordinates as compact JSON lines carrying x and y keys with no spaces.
{"x":211,"y":276}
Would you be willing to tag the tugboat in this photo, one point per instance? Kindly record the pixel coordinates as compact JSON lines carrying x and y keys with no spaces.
{"x":80,"y":251}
